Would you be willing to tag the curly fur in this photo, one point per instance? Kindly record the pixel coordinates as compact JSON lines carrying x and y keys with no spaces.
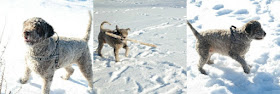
{"x":220,"y":41}
{"x":38,"y":34}
{"x":113,"y":42}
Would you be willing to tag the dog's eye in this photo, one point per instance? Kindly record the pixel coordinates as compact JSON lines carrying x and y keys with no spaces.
{"x":27,"y":33}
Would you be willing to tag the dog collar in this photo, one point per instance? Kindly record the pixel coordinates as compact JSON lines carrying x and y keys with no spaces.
{"x":55,"y":55}
{"x":233,"y":39}
{"x":56,"y":52}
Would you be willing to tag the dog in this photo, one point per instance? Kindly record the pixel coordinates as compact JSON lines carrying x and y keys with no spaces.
{"x":113,"y":42}
{"x":234,"y":43}
{"x":47,"y":53}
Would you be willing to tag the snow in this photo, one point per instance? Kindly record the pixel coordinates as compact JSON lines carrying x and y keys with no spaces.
{"x":145,"y":70}
{"x":226,"y":76}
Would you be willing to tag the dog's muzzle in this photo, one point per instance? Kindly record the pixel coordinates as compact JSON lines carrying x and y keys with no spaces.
{"x":26,"y":39}
{"x":123,"y":38}
{"x":260,"y":38}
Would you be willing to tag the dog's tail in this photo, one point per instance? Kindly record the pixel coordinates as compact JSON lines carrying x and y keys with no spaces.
{"x":196,"y":34}
{"x":101,"y":26}
{"x":86,"y":38}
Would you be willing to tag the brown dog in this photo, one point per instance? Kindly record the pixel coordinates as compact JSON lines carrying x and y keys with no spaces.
{"x":232,"y":43}
{"x":113,"y":42}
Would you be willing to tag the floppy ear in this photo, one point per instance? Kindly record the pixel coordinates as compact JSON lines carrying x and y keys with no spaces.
{"x":128,"y":29}
{"x":248,"y":28}
{"x":49,"y":30}
{"x":44,"y":29}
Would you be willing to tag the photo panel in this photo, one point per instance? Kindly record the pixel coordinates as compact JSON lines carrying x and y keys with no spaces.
{"x":236,"y":49}
{"x":68,"y":18}
{"x":146,"y":69}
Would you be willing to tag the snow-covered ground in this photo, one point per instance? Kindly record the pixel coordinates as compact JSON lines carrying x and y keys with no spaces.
{"x":226,"y":76}
{"x":146,"y":69}
{"x":68,"y":18}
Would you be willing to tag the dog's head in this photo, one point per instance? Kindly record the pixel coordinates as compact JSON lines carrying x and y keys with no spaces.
{"x":35,"y":30}
{"x":254,"y":30}
{"x":122,"y":32}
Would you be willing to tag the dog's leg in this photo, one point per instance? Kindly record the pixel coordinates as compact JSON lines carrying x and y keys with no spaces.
{"x":116,"y":52}
{"x":47,"y":81}
{"x":85,"y":66}
{"x":243,"y":56}
{"x":203,"y":51}
{"x":100,"y":46}
{"x":202,"y":61}
{"x":69,"y":71}
{"x":26,"y":76}
{"x":126,"y":50}
{"x":241,"y":60}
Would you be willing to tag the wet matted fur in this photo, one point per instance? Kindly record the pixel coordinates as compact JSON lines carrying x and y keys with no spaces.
{"x":222,"y":41}
{"x":117,"y":44}
{"x":41,"y":44}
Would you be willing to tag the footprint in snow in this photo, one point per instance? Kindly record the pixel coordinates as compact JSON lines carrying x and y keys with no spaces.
{"x":262,"y":59}
{"x":198,"y":4}
{"x":255,"y":2}
{"x":240,"y":18}
{"x":271,"y":19}
{"x":242,"y":11}
{"x":140,"y":88}
{"x":218,"y":6}
{"x":223,"y":12}
{"x":194,"y":19}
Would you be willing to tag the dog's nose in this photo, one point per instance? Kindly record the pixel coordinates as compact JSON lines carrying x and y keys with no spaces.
{"x":264,"y":33}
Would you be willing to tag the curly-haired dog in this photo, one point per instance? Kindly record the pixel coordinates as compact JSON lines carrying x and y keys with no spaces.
{"x":113,"y":42}
{"x":232,"y":43}
{"x":46,"y":53}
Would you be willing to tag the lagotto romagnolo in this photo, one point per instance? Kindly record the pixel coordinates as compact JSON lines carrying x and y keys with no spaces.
{"x":234,"y":42}
{"x":47,"y":52}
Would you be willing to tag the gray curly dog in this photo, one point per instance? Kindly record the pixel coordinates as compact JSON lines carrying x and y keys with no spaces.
{"x":233,"y":42}
{"x":46,"y":53}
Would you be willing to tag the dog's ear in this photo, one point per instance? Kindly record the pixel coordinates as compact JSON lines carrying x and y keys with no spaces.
{"x":128,"y":29}
{"x":49,"y":30}
{"x":44,"y":29}
{"x":117,"y":28}
{"x":248,"y":28}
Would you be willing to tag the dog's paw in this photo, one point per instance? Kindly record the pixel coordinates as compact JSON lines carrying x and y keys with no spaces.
{"x":22,"y":81}
{"x":91,"y":91}
{"x":202,"y":71}
{"x":117,"y":60}
{"x":246,"y":69}
{"x":64,"y":77}
{"x":126,"y":54}
{"x":210,"y":62}
{"x":100,"y":55}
